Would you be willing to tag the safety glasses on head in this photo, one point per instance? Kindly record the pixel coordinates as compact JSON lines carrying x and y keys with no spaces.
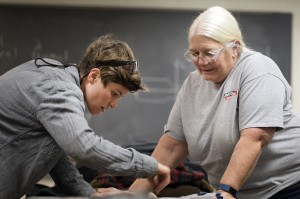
{"x":131,"y":66}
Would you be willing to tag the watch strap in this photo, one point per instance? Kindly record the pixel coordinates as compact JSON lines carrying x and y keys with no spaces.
{"x":228,"y":189}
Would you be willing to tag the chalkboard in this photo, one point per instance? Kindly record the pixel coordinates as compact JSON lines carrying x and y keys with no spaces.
{"x":158,"y":38}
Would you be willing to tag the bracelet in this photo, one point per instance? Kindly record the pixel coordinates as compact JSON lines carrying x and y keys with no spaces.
{"x":228,"y":189}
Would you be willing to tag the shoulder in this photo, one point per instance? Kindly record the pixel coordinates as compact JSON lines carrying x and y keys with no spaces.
{"x":194,"y":79}
{"x":56,"y":78}
{"x":191,"y":82}
{"x":254,"y":60}
{"x":254,"y":64}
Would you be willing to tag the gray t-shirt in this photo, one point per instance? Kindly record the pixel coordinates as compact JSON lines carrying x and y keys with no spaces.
{"x":210,"y":117}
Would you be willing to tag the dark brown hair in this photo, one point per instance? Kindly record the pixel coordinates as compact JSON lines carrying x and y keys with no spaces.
{"x":107,"y":47}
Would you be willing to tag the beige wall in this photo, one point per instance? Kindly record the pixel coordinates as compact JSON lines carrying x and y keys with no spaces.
{"x":290,"y":6}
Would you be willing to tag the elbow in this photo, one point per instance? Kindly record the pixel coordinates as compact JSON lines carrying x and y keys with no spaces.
{"x":260,"y":136}
{"x":265,"y":139}
{"x":264,"y":142}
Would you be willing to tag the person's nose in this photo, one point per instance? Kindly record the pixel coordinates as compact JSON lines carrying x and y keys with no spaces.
{"x":114,"y":104}
{"x":201,"y":61}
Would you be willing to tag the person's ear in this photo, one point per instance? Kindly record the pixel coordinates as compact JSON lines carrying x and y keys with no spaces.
{"x":236,"y":48}
{"x":93,"y":75}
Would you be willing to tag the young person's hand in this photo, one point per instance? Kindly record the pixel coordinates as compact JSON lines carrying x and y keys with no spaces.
{"x":161,"y":179}
{"x":106,"y":192}
{"x":153,"y":184}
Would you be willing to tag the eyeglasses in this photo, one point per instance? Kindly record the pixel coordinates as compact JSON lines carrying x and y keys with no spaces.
{"x":208,"y":56}
{"x":131,"y":66}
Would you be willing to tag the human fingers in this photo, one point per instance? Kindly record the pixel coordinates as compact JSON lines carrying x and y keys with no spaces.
{"x":162,"y":179}
{"x":226,"y":195}
{"x":106,"y":192}
{"x":109,"y":189}
{"x":163,"y":170}
{"x":160,"y":183}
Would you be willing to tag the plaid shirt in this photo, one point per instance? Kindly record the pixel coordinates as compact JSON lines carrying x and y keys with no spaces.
{"x":182,"y":174}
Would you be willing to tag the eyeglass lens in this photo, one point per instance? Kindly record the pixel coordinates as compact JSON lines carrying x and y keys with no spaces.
{"x":207,"y":57}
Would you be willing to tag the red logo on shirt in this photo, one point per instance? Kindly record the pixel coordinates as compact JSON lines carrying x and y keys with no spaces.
{"x":230,"y":94}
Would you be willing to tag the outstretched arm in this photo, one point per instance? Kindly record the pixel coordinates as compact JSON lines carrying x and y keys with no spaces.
{"x":245,"y":155}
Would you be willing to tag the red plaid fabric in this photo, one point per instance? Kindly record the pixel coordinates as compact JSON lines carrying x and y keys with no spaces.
{"x":180,"y":175}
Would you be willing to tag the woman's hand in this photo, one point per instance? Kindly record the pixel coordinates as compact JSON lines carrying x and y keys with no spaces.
{"x":226,"y":195}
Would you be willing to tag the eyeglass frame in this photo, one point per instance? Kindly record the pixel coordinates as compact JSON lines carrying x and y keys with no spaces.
{"x":215,"y":54}
{"x":134,"y":65}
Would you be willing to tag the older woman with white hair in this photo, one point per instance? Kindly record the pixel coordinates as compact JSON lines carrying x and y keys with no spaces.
{"x":233,"y":115}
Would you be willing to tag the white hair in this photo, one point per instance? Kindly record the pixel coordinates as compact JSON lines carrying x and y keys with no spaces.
{"x":218,"y":24}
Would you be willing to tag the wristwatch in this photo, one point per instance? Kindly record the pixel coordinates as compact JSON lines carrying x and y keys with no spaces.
{"x":228,"y":189}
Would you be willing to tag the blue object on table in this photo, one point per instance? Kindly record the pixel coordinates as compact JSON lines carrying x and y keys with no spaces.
{"x":217,"y":194}
{"x":201,"y":193}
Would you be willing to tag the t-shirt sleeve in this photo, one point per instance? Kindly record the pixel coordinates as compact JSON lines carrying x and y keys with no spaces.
{"x":174,"y":127}
{"x":261,"y":102}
